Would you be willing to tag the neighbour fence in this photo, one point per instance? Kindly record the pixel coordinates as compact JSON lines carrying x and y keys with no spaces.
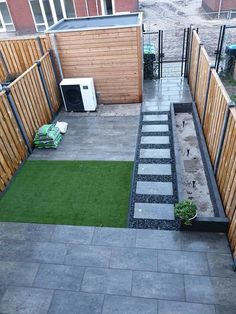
{"x":28,"y":103}
{"x":17,"y":55}
{"x":218,"y":118}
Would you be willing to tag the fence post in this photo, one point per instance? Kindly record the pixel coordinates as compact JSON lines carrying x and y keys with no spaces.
{"x":220,"y":45}
{"x":18,"y":119}
{"x":40,"y":45}
{"x":198,"y":61}
{"x":207,"y":94}
{"x":45,"y":87}
{"x":222,"y":137}
{"x":53,"y":39}
{"x":53,"y":66}
{"x":190,"y":50}
{"x":186,"y":70}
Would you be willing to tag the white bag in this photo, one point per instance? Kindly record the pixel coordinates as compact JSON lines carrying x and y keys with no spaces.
{"x":62,"y":126}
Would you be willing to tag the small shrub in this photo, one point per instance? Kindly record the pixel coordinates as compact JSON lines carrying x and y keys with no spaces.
{"x":185,"y":210}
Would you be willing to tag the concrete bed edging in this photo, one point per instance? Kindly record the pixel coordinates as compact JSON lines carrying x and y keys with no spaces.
{"x":219,"y":223}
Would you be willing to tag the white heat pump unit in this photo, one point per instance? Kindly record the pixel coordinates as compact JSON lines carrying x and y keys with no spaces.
{"x":78,"y":94}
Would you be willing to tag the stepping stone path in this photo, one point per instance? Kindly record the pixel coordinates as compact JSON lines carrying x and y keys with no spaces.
{"x":154,"y":190}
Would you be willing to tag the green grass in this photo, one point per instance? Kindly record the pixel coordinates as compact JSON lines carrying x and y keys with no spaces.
{"x":88,"y":193}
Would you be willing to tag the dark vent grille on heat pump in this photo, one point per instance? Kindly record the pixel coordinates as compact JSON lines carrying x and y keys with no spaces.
{"x":73,"y":97}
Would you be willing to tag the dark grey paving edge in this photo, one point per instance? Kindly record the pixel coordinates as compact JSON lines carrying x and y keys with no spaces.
{"x":219,"y":223}
{"x":153,"y":223}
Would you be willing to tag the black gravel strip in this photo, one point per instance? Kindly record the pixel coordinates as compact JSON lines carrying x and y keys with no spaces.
{"x":137,"y":198}
{"x":155,"y":122}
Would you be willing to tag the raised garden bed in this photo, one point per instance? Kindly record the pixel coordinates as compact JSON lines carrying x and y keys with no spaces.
{"x":195,"y":177}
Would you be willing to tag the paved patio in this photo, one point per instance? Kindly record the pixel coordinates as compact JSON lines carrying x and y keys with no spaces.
{"x":64,"y":269}
{"x":109,"y":134}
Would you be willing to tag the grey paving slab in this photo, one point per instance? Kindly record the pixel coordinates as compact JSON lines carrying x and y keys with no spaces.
{"x":63,"y":277}
{"x":17,"y":273}
{"x":181,"y":262}
{"x":64,"y":302}
{"x":154,"y":211}
{"x":134,"y":259}
{"x":220,"y":265}
{"x":38,"y":252}
{"x":108,"y":281}
{"x":128,"y":305}
{"x":155,"y":128}
{"x":22,"y":231}
{"x":167,"y":240}
{"x":205,"y":242}
{"x":87,"y":255}
{"x":155,"y":117}
{"x":155,"y":108}
{"x":114,"y":237}
{"x":73,"y":234}
{"x":225,"y":309}
{"x":154,"y":188}
{"x":213,"y":290}
{"x":175,"y":307}
{"x":154,"y":169}
{"x":23,"y":300}
{"x":154,"y":153}
{"x":155,"y":140}
{"x":158,"y":285}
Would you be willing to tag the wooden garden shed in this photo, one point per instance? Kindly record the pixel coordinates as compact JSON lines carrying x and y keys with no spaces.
{"x":106,"y":48}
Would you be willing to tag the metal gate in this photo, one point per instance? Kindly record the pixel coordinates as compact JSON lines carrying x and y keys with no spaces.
{"x":171,"y":50}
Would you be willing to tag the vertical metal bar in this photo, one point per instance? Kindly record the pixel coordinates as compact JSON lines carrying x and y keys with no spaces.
{"x":45,"y":87}
{"x":207,"y":94}
{"x":159,"y":54}
{"x":40,"y":45}
{"x":18,"y":119}
{"x":190,"y":50}
{"x":53,"y":66}
{"x":183,"y":48}
{"x":186,"y":70}
{"x":196,"y":80}
{"x":218,"y":45}
{"x":52,"y":36}
{"x":220,"y":49}
{"x":4,"y":63}
{"x":222,"y":137}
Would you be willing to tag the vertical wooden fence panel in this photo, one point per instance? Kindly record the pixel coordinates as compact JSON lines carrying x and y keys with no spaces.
{"x":201,"y":87}
{"x":31,"y":102}
{"x":194,"y":60}
{"x":12,"y":147}
{"x":217,"y":106}
{"x":21,"y":53}
{"x":51,"y":82}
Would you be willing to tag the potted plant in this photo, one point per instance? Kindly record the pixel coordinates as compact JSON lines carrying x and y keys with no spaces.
{"x":186,"y":211}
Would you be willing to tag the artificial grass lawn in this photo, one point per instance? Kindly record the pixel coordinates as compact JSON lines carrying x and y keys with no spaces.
{"x":92,"y":193}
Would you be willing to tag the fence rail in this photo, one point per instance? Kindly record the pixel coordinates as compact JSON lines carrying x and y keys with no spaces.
{"x":218,"y":119}
{"x":30,"y":101}
{"x":20,"y":53}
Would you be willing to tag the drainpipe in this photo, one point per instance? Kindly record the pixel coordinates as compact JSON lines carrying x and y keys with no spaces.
{"x":97,"y":7}
{"x":87,"y":8}
{"x":220,"y":7}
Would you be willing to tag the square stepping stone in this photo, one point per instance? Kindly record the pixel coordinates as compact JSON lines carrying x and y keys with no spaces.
{"x":155,"y":169}
{"x":154,"y":188}
{"x":154,"y":153}
{"x":155,"y":128}
{"x":154,"y":211}
{"x":155,"y":117}
{"x":155,"y":140}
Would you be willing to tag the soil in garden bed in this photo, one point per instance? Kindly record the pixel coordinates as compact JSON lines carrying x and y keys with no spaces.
{"x":194,"y":182}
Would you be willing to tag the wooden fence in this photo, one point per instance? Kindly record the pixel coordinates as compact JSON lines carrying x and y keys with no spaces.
{"x":20,"y":53}
{"x":218,"y":118}
{"x":30,"y":101}
{"x":12,"y":147}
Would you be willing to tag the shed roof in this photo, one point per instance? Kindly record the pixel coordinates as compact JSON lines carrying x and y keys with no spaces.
{"x":107,"y":21}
